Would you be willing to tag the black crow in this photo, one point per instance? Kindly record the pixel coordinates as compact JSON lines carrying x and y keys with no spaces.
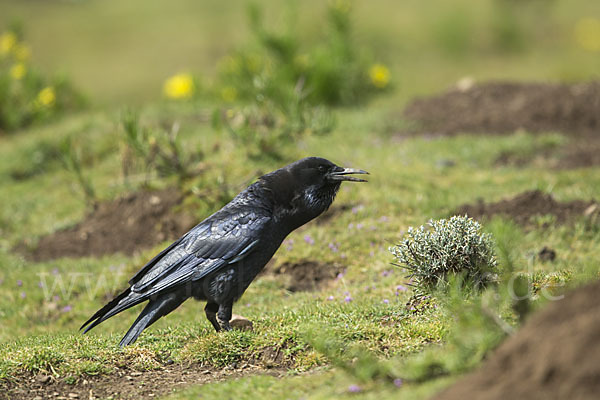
{"x":218,"y":259}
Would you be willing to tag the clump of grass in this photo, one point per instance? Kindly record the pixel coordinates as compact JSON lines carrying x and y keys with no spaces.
{"x":157,"y":150}
{"x":449,"y":247}
{"x":267,"y":128}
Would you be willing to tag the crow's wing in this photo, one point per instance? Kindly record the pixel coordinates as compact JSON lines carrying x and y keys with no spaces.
{"x":222,"y":239}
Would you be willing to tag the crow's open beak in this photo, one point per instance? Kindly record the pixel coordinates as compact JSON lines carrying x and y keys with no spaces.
{"x":343,"y":174}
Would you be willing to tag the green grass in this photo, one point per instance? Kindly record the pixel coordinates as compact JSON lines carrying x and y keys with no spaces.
{"x":410,"y":182}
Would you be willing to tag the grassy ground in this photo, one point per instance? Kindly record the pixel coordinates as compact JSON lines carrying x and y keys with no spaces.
{"x":411,"y":182}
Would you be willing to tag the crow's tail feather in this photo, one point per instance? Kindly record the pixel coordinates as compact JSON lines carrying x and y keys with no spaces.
{"x":125,"y":300}
{"x":155,"y":309}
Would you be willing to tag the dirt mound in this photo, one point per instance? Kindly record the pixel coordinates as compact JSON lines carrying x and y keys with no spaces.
{"x":307,"y":275}
{"x":504,"y":107}
{"x":126,"y":225}
{"x":554,"y":356}
{"x":524,"y":206}
{"x":125,"y":383}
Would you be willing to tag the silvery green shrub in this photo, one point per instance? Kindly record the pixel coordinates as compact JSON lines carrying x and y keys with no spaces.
{"x":447,"y":246}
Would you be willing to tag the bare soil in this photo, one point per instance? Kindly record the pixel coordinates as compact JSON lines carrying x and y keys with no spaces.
{"x":125,"y":383}
{"x":525,"y":206}
{"x":128,"y":224}
{"x":307,"y":275}
{"x":553,"y":356}
{"x":505,"y":107}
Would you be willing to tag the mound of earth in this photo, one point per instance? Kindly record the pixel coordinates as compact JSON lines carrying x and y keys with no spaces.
{"x":504,"y":107}
{"x":554,"y":356}
{"x":307,"y":275}
{"x":524,"y":206}
{"x":128,"y":224}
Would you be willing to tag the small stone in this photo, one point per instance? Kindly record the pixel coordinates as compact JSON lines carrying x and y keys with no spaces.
{"x":154,"y":200}
{"x":136,"y":373}
{"x":128,"y":377}
{"x":241,"y":323}
{"x":73,"y":395}
{"x":590,"y":210}
{"x":43,"y":378}
{"x":37,"y":398}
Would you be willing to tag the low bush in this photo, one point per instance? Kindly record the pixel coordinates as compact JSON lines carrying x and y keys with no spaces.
{"x":448,"y":247}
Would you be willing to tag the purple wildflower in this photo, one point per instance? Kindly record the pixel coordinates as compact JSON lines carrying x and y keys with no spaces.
{"x":330,"y":298}
{"x":340,"y":275}
{"x":386,"y":301}
{"x":348,"y":299}
{"x":384,"y":218}
{"x":398,"y":382}
{"x":40,"y":284}
{"x":359,"y":226}
{"x":67,"y":308}
{"x":289,"y":244}
{"x":354,"y":389}
{"x":309,"y":240}
{"x":23,"y":295}
{"x":56,"y":298}
{"x":55,"y":271}
{"x":333,"y":247}
{"x":19,"y":283}
{"x":350,"y":225}
{"x":357,"y":208}
{"x":400,"y":288}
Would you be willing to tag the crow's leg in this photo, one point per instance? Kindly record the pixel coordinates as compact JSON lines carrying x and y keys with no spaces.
{"x":211,"y":313}
{"x":224,"y":315}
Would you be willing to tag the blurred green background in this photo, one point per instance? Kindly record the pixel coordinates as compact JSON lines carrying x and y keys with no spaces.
{"x":122,"y":51}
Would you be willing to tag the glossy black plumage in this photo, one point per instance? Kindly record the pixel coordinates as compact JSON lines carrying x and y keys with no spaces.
{"x":218,"y":259}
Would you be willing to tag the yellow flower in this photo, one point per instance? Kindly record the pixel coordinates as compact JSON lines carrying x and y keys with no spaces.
{"x":342,"y":6}
{"x":379,"y":75}
{"x":18,"y":71}
{"x":7,"y":42}
{"x":587,"y":33}
{"x":229,"y":94}
{"x":46,"y":97}
{"x":180,"y":86}
{"x":22,"y":52}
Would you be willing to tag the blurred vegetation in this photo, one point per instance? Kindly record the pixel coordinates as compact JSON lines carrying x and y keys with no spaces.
{"x":25,"y":95}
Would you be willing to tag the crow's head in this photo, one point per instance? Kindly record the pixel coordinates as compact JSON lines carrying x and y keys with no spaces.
{"x":308,"y":186}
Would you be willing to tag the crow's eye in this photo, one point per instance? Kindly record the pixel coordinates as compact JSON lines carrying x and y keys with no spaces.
{"x":322,"y":168}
